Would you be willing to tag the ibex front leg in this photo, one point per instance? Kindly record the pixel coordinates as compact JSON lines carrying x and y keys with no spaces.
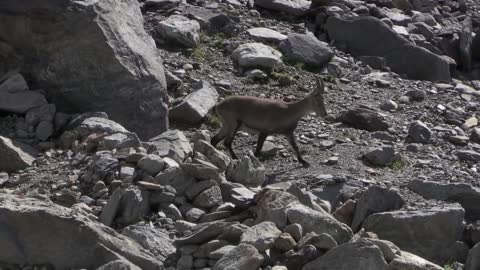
{"x":293,"y":143}
{"x":261,"y":139}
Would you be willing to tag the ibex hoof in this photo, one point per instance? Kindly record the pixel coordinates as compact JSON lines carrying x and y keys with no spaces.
{"x":305,"y":164}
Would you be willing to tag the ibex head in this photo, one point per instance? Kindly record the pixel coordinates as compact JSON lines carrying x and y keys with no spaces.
{"x":318,"y":102}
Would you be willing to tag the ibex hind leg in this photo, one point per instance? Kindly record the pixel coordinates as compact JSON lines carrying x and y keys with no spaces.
{"x":293,"y":143}
{"x":229,"y":140}
{"x":222,"y":133}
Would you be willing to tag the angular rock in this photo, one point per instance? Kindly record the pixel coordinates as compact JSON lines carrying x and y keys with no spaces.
{"x":13,"y":82}
{"x":180,"y":30}
{"x":21,"y":102}
{"x":71,"y":236}
{"x":134,"y":205}
{"x":266,"y":34}
{"x":198,"y":188}
{"x":365,"y":119}
{"x":217,"y":157}
{"x":242,"y":257}
{"x":465,"y":194}
{"x":408,"y":260}
{"x":202,"y":234}
{"x":475,"y":136}
{"x":209,"y":19}
{"x":119,"y":141}
{"x":15,"y":156}
{"x":154,"y":240}
{"x":196,"y":105}
{"x":202,"y":170}
{"x":375,"y":200}
{"x":110,"y":210}
{"x":256,"y":55}
{"x":152,"y":164}
{"x":209,"y":198}
{"x":430,"y":233}
{"x":418,"y":132}
{"x":345,"y":212}
{"x":73,"y":73}
{"x":172,"y":144}
{"x":175,"y":177}
{"x":369,"y":36}
{"x":306,"y":48}
{"x":473,"y":260}
{"x":295,"y":230}
{"x":285,"y":242}
{"x":319,"y":222}
{"x":293,"y":7}
{"x":219,"y":253}
{"x":262,"y":236}
{"x":272,"y":206}
{"x":468,"y":155}
{"x":248,"y":171}
{"x":98,"y":125}
{"x":358,"y":255}
{"x":381,"y":156}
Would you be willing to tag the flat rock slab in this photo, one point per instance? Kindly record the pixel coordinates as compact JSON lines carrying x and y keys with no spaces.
{"x":431,"y":233}
{"x":306,"y":48}
{"x":465,"y":194}
{"x":15,"y":156}
{"x":172,"y":144}
{"x":266,"y":34}
{"x":293,"y":7}
{"x":74,"y":241}
{"x":196,"y":105}
{"x":242,"y":257}
{"x":256,"y":55}
{"x":262,"y":236}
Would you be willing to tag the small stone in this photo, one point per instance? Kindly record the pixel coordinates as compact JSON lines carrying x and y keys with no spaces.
{"x":295,"y":230}
{"x":418,"y":132}
{"x":261,"y":236}
{"x":285,"y":242}
{"x":389,"y":105}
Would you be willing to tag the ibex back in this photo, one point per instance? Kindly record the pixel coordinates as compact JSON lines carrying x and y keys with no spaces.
{"x":266,"y":116}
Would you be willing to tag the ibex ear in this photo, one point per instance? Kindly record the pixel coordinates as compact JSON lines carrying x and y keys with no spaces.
{"x":320,"y":86}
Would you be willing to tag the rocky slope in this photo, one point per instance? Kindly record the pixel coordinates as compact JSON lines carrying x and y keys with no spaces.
{"x":394,"y":176}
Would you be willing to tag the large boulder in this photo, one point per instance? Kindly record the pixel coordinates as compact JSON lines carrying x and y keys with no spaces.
{"x":473,"y":260}
{"x":363,"y":118}
{"x":62,"y":237}
{"x":307,"y":49}
{"x":179,"y":30}
{"x":463,"y":193}
{"x":375,"y":200}
{"x":15,"y":156}
{"x":362,"y":255}
{"x":15,"y":96}
{"x":368,"y":36}
{"x":114,"y":68}
{"x":154,"y":240}
{"x":431,"y":233}
{"x":262,"y":236}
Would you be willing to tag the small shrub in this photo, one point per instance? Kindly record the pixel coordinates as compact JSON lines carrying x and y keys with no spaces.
{"x":282,"y":78}
{"x":398,"y":165}
{"x":214,"y":121}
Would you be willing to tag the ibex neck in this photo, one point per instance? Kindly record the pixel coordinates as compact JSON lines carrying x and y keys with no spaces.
{"x":301,"y":107}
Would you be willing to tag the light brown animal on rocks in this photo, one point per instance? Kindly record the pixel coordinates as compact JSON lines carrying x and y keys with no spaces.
{"x":266,"y":116}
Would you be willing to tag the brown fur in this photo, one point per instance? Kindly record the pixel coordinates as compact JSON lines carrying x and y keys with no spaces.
{"x":266,"y":116}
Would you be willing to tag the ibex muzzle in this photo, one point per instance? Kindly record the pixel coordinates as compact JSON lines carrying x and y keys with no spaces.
{"x":267,"y":117}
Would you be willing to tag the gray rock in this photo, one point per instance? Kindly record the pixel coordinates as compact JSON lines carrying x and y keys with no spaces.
{"x":362,"y":118}
{"x":206,"y":249}
{"x":251,"y":55}
{"x":237,"y":194}
{"x":389,"y":105}
{"x":54,"y":224}
{"x":119,"y":265}
{"x":468,"y":155}
{"x":266,"y":34}
{"x":408,"y":260}
{"x":293,"y":7}
{"x":358,"y":255}
{"x":21,"y":102}
{"x":196,"y":105}
{"x":175,"y":177}
{"x":306,"y":48}
{"x":209,"y":198}
{"x":172,"y":144}
{"x":324,"y":242}
{"x":110,"y":210}
{"x":134,"y":205}
{"x":473,"y":260}
{"x":295,"y":230}
{"x":203,"y":233}
{"x":99,"y":125}
{"x":15,"y":156}
{"x":242,"y":257}
{"x":233,"y":233}
{"x":430,"y":233}
{"x":152,"y":164}
{"x":119,"y":141}
{"x":209,"y":19}
{"x":318,"y":222}
{"x":154,"y":240}
{"x":198,"y":188}
{"x":381,"y":156}
{"x":217,"y":157}
{"x":42,"y":113}
{"x":365,"y":35}
{"x":465,"y":194}
{"x":194,"y":214}
{"x":118,"y":48}
{"x":375,"y":200}
{"x":262,"y":236}
{"x":418,"y":132}
{"x":185,"y":262}
{"x":248,"y":171}
{"x":219,"y":253}
{"x":179,"y":30}
{"x":309,"y":199}
{"x":202,"y":170}
{"x":13,"y":82}
{"x":475,"y":136}
{"x":273,"y":205}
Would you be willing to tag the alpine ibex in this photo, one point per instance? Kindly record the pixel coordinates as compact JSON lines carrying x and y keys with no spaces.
{"x":266,"y":116}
